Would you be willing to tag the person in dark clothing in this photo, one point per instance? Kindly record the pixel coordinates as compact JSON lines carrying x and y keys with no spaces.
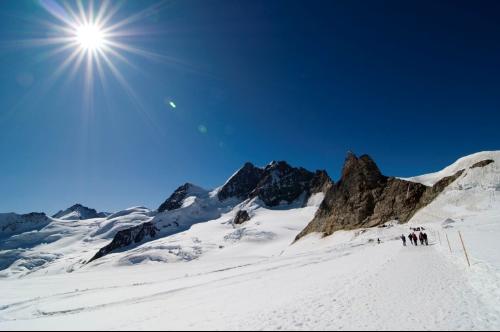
{"x":411,"y":238}
{"x":403,"y":237}
{"x":421,"y":238}
{"x":378,"y":241}
{"x":426,"y":239}
{"x":415,"y":239}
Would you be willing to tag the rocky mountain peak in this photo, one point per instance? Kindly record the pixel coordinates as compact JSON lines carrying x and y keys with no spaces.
{"x":282,"y":183}
{"x":281,"y":165}
{"x":242,"y":183}
{"x":277,"y":183}
{"x":361,"y":172}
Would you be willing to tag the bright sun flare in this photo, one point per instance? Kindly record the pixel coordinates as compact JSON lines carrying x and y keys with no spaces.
{"x":90,"y":37}
{"x":93,"y":40}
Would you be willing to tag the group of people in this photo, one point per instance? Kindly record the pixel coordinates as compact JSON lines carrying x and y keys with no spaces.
{"x":414,"y":239}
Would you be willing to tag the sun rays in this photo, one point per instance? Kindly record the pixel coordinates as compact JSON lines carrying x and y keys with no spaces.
{"x":93,"y":41}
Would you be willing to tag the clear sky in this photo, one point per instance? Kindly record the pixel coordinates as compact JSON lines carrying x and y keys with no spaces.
{"x":415,"y":84}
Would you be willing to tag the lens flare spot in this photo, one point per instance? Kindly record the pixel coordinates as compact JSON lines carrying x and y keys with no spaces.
{"x":202,"y":129}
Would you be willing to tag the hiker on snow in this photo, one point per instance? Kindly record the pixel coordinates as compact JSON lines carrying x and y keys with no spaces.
{"x":403,"y":237}
{"x":411,"y":238}
{"x":426,"y":239}
{"x":421,"y":238}
{"x":415,"y":239}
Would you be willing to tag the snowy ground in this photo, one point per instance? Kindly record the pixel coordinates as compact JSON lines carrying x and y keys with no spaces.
{"x":220,"y":276}
{"x":341,"y":285}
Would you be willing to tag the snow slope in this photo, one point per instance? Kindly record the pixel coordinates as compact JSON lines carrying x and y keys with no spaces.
{"x":268,"y":233}
{"x":471,"y":205}
{"x":342,"y":282}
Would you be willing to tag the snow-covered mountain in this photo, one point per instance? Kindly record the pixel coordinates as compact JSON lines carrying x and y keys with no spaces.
{"x":41,"y":244}
{"x":62,"y":245}
{"x":224,"y":258}
{"x":79,"y":212}
{"x":250,"y":188}
{"x":12,"y":223}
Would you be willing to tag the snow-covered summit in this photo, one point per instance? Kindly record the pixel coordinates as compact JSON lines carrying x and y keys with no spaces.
{"x":79,"y":212}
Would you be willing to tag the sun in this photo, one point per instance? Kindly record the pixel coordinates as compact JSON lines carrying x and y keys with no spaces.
{"x":93,"y":42}
{"x":90,"y":37}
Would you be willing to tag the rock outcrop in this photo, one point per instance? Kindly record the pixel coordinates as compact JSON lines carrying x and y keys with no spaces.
{"x":364,"y":197}
{"x":241,"y":217}
{"x":483,"y":163}
{"x":127,"y":237}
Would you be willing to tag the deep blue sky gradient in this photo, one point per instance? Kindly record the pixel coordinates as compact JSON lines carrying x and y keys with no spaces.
{"x":415,"y":84}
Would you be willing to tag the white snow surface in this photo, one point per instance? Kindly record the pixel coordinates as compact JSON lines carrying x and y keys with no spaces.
{"x":206,"y":273}
{"x":460,"y":164}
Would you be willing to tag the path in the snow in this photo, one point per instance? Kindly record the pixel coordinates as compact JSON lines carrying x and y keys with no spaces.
{"x":419,"y":288}
{"x":369,"y":287}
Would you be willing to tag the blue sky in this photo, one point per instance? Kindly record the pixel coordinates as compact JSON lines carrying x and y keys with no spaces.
{"x":413,"y":84}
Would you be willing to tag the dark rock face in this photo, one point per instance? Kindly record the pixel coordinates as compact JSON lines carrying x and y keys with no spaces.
{"x":242,"y":183}
{"x":282,"y":183}
{"x":277,"y":182}
{"x":35,"y":216}
{"x":174,"y":202}
{"x":483,"y":163}
{"x":366,"y":198}
{"x":241,"y":217}
{"x":82,"y":212}
{"x":127,"y":237}
{"x":320,"y":182}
